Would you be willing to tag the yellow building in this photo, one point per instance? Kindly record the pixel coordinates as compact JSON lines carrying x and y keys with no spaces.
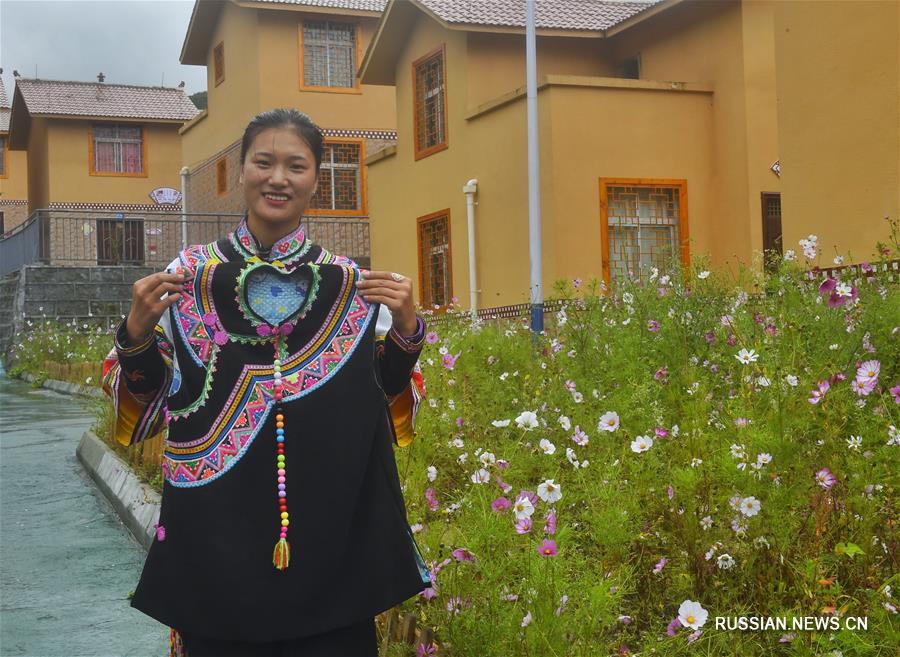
{"x":302,"y":54}
{"x":13,"y":174}
{"x":93,"y":146}
{"x":662,"y":132}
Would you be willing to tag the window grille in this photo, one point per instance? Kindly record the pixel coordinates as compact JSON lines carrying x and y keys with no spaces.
{"x":644,"y":229}
{"x":430,"y":100}
{"x":219,"y":63}
{"x":329,"y":54}
{"x":340,"y":179}
{"x":435,"y":261}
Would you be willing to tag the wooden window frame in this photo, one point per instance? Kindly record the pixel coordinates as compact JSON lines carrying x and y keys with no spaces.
{"x":219,"y":63}
{"x":422,"y":220}
{"x":4,"y":160}
{"x":222,"y":176}
{"x":145,"y":164}
{"x":363,"y":182}
{"x":356,"y":88}
{"x":683,"y":224}
{"x":421,"y":153}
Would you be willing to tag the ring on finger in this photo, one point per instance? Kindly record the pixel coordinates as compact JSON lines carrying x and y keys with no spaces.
{"x":398,"y":277}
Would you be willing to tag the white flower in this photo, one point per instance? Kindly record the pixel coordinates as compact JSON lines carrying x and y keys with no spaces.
{"x":763,"y":382}
{"x":725,"y":561}
{"x":416,"y":528}
{"x":706,"y":522}
{"x":750,"y":506}
{"x":565,"y":423}
{"x":854,"y":442}
{"x":838,"y":260}
{"x":462,"y":457}
{"x":487,"y":458}
{"x":523,"y":507}
{"x":546,"y":446}
{"x":577,"y":397}
{"x":665,"y":280}
{"x":737,"y":451}
{"x":747,"y":357}
{"x":763,"y":458}
{"x":501,"y":423}
{"x":609,"y":421}
{"x":628,"y":298}
{"x":834,"y":347}
{"x":549,"y":491}
{"x":703,"y":275}
{"x":432,"y":473}
{"x":458,"y":443}
{"x":443,"y":351}
{"x":792,"y":380}
{"x":695,"y":462}
{"x":526,"y":621}
{"x":527,"y":420}
{"x":790,"y":255}
{"x":843,"y":289}
{"x":481,"y":476}
{"x":691,"y":614}
{"x":641,"y":444}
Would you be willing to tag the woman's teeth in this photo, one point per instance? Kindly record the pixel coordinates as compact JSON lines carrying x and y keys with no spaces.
{"x":276,"y":197}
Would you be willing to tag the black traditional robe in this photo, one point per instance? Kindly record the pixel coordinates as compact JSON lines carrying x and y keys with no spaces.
{"x":210,"y":380}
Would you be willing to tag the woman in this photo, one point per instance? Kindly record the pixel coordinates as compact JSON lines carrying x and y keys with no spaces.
{"x":282,"y":527}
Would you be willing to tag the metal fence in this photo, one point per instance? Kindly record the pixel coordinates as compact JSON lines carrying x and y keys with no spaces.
{"x":93,"y":237}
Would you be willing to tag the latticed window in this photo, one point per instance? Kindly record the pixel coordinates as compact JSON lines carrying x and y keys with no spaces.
{"x":118,"y":149}
{"x":221,"y":176}
{"x":434,"y":260}
{"x":644,"y":229}
{"x":431,"y":104}
{"x":219,"y":63}
{"x":329,"y":54}
{"x":340,"y":180}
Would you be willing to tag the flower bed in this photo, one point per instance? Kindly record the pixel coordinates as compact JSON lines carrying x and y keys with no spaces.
{"x":665,"y":454}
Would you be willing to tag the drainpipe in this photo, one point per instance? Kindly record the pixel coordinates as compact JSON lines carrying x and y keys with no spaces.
{"x":470,"y":189}
{"x":184,"y":178}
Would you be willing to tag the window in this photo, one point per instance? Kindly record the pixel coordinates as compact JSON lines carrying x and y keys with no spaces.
{"x":219,"y":63}
{"x":3,"y":139}
{"x":2,"y":224}
{"x":329,"y":54}
{"x":120,"y":241}
{"x":645,"y":226}
{"x":117,"y":149}
{"x":341,"y":182}
{"x":430,"y":111}
{"x":435,"y":273}
{"x":771,"y":211}
{"x":630,"y":68}
{"x":221,"y":176}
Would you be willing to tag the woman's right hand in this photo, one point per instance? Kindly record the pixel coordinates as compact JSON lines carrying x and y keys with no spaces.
{"x":147,"y":306}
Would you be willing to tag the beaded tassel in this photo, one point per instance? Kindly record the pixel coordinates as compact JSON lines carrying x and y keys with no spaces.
{"x":281,"y":557}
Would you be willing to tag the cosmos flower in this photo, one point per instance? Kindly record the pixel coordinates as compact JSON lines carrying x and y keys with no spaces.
{"x":527,"y":420}
{"x":660,"y":565}
{"x":653,"y":326}
{"x":703,"y":275}
{"x":431,"y":473}
{"x":431,"y":496}
{"x":825,"y":479}
{"x":431,"y":337}
{"x":523,"y":525}
{"x":819,"y":394}
{"x":546,"y":446}
{"x":747,"y":357}
{"x":609,"y":421}
{"x":500,"y":504}
{"x":500,"y":423}
{"x":550,"y":522}
{"x":750,"y":506}
{"x":462,"y":554}
{"x":523,"y":508}
{"x":868,"y":371}
{"x":580,"y":437}
{"x":691,"y":614}
{"x":549,"y":491}
{"x":641,"y":444}
{"x":547,"y":548}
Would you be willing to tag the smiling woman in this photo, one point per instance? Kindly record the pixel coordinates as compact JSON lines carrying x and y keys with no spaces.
{"x":256,"y":352}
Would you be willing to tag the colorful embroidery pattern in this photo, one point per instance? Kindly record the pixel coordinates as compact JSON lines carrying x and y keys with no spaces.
{"x":287,"y":249}
{"x":270,"y":295}
{"x":197,"y":462}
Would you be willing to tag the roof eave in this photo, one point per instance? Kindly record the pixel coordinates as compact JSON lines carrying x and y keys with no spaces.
{"x":19,"y":122}
{"x":199,"y":32}
{"x":312,"y":9}
{"x":641,"y":17}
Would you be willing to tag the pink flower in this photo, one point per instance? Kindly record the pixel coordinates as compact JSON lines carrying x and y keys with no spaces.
{"x":771,"y":330}
{"x":670,"y":491}
{"x":431,"y":337}
{"x":693,"y":636}
{"x":532,"y":497}
{"x":868,"y":371}
{"x":827,"y":286}
{"x":660,"y":432}
{"x":459,"y":421}
{"x":862,"y":388}
{"x":710,"y":337}
{"x":825,"y":479}
{"x":653,"y":326}
{"x":523,"y":525}
{"x":500,"y":505}
{"x":817,"y":395}
{"x":547,"y":548}
{"x":570,"y":386}
{"x":426,"y":651}
{"x":449,"y":361}
{"x":432,"y":499}
{"x":505,"y":487}
{"x":732,"y":340}
{"x":576,"y":283}
{"x":895,"y":392}
{"x":550,"y":522}
{"x":661,"y":375}
{"x":580,"y":437}
{"x":462,"y":554}
{"x":429,"y":594}
{"x":660,"y":565}
{"x":673,"y":627}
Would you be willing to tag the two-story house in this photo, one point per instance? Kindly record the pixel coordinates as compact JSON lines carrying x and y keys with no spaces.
{"x":659,"y":129}
{"x":13,"y":174}
{"x":302,"y":54}
{"x":93,"y":146}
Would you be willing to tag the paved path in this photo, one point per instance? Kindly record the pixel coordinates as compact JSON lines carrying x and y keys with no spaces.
{"x":67,"y":564}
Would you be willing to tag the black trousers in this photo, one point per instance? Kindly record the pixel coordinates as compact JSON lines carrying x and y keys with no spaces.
{"x":357,"y":640}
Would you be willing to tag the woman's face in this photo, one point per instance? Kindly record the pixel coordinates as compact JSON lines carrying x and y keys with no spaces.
{"x":278,"y":176}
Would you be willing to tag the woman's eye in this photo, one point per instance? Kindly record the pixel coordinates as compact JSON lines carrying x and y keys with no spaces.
{"x":262,"y":163}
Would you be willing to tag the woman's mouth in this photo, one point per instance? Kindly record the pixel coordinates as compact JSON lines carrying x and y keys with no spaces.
{"x":276,"y":199}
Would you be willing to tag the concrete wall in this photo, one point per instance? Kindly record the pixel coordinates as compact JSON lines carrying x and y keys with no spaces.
{"x":839,"y":123}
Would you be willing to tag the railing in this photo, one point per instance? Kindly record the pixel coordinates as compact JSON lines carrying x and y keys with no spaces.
{"x":95,"y":237}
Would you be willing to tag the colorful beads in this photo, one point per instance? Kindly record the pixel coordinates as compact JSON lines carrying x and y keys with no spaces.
{"x":282,"y":554}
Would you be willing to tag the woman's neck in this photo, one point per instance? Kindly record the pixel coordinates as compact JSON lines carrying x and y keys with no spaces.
{"x":267,"y":234}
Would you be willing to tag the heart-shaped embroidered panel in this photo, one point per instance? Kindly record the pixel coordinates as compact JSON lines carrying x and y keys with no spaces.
{"x":274,"y":296}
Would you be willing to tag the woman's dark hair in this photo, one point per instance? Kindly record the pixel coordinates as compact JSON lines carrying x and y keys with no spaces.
{"x":276,"y":118}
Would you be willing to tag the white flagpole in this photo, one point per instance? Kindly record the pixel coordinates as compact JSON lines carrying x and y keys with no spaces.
{"x":534,"y":174}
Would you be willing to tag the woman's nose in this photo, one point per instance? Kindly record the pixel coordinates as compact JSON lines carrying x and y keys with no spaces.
{"x":277,"y":175}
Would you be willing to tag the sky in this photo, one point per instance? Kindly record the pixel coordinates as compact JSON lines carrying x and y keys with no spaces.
{"x":131,"y":42}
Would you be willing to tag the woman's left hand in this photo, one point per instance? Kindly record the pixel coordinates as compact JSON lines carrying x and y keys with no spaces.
{"x":394,"y":291}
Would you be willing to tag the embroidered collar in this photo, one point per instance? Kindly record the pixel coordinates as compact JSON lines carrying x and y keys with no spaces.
{"x":288,"y":247}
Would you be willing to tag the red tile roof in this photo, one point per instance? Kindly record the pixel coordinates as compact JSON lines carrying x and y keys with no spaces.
{"x":105,"y":100}
{"x":4,"y":101}
{"x":4,"y":119}
{"x":591,"y":15}
{"x":359,"y":5}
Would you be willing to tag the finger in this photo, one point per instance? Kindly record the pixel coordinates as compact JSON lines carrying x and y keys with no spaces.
{"x":384,"y":292}
{"x":390,"y":302}
{"x":168,"y":301}
{"x":162,"y":289}
{"x":381,"y":275}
